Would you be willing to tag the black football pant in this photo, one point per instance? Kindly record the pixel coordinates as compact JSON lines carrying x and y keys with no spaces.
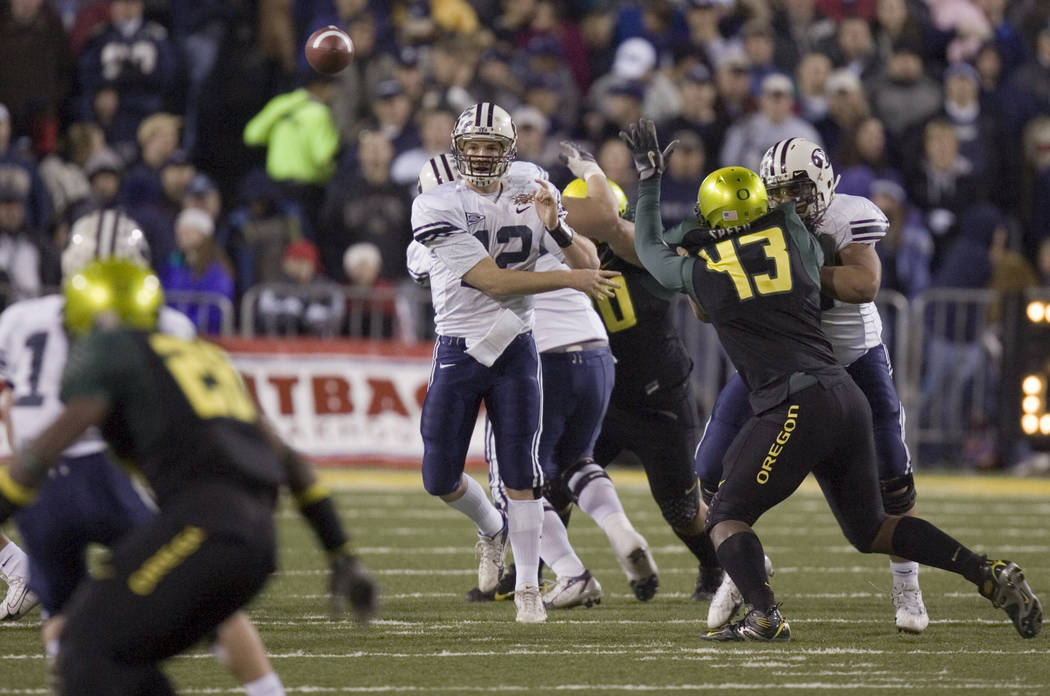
{"x":823,"y":429}
{"x":168,"y":585}
{"x":662,"y":432}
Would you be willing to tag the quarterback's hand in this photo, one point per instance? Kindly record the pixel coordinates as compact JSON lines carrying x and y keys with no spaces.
{"x":546,"y":204}
{"x":352,"y":584}
{"x":595,"y":283}
{"x":580,"y":162}
{"x":649,"y":159}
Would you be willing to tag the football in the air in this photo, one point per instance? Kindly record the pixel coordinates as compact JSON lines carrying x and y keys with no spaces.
{"x":329,"y":50}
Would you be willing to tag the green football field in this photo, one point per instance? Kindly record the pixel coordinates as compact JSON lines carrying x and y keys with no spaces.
{"x":429,"y":640}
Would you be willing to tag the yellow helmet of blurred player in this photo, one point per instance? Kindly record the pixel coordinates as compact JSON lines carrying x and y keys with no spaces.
{"x":731,"y":197}
{"x":112,"y":292}
{"x":577,"y":188}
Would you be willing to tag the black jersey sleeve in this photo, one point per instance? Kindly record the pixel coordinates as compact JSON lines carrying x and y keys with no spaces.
{"x":670,"y":270}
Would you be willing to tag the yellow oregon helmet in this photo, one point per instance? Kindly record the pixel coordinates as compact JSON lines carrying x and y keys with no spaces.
{"x":731,"y":197}
{"x":577,"y":188}
{"x":119,"y":291}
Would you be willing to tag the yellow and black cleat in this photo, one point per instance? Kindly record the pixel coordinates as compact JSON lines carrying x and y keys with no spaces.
{"x":761,"y":626}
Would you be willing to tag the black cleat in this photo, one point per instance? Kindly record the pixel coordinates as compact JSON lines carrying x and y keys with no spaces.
{"x":707,"y":583}
{"x":1003,"y":584}
{"x":504,"y":588}
{"x":763,"y":626}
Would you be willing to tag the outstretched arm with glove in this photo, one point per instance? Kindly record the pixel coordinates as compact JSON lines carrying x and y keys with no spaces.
{"x":670,"y":270}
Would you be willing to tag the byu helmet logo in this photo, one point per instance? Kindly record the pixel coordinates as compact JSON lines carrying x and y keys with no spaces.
{"x":818,"y":158}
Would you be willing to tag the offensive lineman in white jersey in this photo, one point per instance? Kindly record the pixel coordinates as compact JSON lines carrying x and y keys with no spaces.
{"x":798,"y":169}
{"x":88,"y":499}
{"x":578,"y":376}
{"x":486,"y":231}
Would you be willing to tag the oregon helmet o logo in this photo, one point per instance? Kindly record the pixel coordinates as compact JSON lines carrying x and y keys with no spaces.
{"x":743,"y":194}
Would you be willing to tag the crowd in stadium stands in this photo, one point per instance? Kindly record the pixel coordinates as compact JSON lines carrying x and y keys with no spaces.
{"x":244,"y":166}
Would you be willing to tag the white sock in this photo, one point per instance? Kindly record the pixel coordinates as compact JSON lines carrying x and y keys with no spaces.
{"x":598,"y":498}
{"x":13,"y":561}
{"x":51,"y":648}
{"x":555,"y":549}
{"x":475,"y":505}
{"x":525,"y":524}
{"x":270,"y":685}
{"x":905,"y":573}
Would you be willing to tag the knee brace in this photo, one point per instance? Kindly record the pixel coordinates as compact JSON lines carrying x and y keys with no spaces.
{"x":583,"y":471}
{"x":680,"y":511}
{"x":557,"y":494}
{"x":707,"y":492}
{"x":898,"y":494}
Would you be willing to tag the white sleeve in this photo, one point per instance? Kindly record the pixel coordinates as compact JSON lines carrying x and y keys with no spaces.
{"x":174,"y":323}
{"x":867,"y":223}
{"x":439,"y":224}
{"x":418,"y":260}
{"x":8,"y":320}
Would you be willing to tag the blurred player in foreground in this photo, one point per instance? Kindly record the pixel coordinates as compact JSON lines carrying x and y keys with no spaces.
{"x":755,"y":274}
{"x":179,"y":411}
{"x":798,"y":170}
{"x":485,"y":232}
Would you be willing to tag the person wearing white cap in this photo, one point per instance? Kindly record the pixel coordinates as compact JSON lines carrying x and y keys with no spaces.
{"x":199,"y":266}
{"x":636,"y":61}
{"x":775,"y":120}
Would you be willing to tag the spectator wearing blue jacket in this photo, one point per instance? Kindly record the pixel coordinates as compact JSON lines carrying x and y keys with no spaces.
{"x":199,"y":266}
{"x":133,"y":59}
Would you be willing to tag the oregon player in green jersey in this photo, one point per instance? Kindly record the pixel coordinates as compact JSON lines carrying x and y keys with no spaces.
{"x":179,"y":411}
{"x":651,"y":411}
{"x":754,"y":273}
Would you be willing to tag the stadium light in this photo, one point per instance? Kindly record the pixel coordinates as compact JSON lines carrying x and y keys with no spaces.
{"x":1030,"y":424}
{"x":1036,"y":312}
{"x":1032,"y":384}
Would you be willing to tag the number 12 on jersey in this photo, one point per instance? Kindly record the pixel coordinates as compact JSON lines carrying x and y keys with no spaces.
{"x":775,"y":248}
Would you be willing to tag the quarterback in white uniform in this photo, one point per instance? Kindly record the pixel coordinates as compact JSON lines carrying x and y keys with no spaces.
{"x":486,"y":231}
{"x":577,"y":380}
{"x":798,"y":169}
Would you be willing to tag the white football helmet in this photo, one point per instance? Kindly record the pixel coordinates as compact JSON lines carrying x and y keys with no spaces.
{"x":488,"y":123}
{"x":437,"y":170}
{"x":798,"y":169}
{"x":102,"y":234}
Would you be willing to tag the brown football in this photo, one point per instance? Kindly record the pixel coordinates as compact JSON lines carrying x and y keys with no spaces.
{"x":329,"y":50}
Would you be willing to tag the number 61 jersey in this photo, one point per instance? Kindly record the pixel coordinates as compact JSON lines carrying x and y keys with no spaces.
{"x":460,"y":227}
{"x":33,"y":352}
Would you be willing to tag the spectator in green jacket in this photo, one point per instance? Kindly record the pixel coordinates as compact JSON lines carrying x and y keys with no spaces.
{"x":301,"y":141}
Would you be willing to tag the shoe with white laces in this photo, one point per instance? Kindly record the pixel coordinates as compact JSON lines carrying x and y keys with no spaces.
{"x":529,"y":604}
{"x":492,"y":550}
{"x":911,"y":612}
{"x":573,"y":591}
{"x":19,"y":599}
{"x":728,"y":600}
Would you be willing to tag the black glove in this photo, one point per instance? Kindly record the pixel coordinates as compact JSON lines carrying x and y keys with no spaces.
{"x":649,"y":160}
{"x":352,"y":583}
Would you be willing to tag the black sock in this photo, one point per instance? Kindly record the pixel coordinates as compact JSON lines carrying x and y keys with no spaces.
{"x":918,"y":540}
{"x":702,"y":548}
{"x":742,"y":557}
